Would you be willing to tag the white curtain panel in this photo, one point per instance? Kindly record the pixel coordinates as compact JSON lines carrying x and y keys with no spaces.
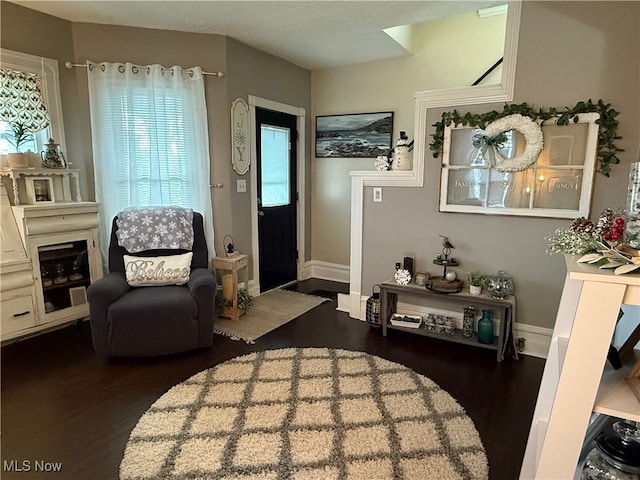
{"x":150,"y":140}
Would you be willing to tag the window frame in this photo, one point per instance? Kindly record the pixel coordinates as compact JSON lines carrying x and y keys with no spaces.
{"x":48,"y":70}
{"x":126,"y":181}
{"x":584,"y":188}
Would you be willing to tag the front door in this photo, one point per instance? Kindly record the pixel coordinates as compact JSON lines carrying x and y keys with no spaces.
{"x":277,"y":191}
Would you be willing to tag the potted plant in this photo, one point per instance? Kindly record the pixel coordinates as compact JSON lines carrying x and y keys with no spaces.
{"x":20,"y":137}
{"x":477,"y":280}
{"x":244,"y":302}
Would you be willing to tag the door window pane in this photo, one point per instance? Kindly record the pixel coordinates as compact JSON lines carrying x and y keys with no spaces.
{"x":274,"y":149}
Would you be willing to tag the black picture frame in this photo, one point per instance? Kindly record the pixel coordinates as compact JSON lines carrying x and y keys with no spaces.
{"x":354,"y":135}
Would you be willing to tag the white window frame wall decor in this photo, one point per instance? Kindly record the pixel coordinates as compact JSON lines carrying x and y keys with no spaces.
{"x":240,"y":137}
{"x":534,"y":187}
{"x":47,"y":69}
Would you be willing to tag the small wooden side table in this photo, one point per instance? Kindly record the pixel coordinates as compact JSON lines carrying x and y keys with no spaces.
{"x":232,"y":265}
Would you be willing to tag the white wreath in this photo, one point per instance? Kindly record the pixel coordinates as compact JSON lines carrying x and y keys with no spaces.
{"x":532,"y":135}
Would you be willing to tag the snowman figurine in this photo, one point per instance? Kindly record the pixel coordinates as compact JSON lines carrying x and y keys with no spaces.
{"x":401,"y":154}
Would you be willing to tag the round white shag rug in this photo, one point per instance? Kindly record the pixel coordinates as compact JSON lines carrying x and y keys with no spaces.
{"x":305,"y":414}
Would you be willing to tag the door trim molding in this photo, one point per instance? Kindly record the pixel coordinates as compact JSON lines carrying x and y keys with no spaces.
{"x":300,"y":114}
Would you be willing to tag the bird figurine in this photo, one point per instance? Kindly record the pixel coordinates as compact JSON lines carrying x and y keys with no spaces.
{"x":446,"y":247}
{"x":445,"y":242}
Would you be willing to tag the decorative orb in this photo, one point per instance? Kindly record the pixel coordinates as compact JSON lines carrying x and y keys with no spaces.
{"x":450,"y":276}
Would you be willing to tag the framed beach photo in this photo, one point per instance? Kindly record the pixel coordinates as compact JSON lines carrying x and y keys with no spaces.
{"x":356,"y":135}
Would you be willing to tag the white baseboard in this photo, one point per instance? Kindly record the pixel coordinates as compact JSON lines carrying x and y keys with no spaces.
{"x":537,"y":340}
{"x":344,"y":302}
{"x":326,"y":271}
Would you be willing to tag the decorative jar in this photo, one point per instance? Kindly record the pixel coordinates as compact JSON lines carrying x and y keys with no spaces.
{"x":47,"y":279}
{"x":485,"y":328}
{"x":421,"y":278}
{"x":60,"y":275}
{"x":500,"y":285}
{"x":616,"y":456}
{"x":52,"y":156}
{"x":440,"y":324}
{"x":76,"y":272}
{"x":469,"y":322}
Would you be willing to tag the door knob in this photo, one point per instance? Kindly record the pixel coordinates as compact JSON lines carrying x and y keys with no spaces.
{"x":261,"y":213}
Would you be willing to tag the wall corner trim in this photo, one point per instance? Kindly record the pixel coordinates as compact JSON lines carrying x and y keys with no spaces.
{"x":502,"y":92}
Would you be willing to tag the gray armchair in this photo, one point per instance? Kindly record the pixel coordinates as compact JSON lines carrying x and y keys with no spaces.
{"x":131,"y":321}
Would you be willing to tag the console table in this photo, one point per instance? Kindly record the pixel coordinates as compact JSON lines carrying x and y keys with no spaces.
{"x":389,"y":290}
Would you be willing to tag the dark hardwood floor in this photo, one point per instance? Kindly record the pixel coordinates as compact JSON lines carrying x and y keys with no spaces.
{"x":61,"y":404}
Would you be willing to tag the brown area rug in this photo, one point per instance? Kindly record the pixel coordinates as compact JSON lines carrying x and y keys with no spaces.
{"x":305,"y":414}
{"x":268,"y":312}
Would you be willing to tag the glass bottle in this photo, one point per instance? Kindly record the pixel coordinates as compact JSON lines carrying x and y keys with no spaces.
{"x":615,"y":457}
{"x":469,"y":322}
{"x":485,"y":328}
{"x":500,"y":285}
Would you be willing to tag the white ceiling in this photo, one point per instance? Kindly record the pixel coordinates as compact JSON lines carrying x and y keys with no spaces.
{"x":312,"y":34}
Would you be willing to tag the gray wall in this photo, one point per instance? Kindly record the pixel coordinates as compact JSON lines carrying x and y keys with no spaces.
{"x":253,"y":72}
{"x":248,"y":72}
{"x":36,"y":33}
{"x":444,"y":56}
{"x":567,"y":53}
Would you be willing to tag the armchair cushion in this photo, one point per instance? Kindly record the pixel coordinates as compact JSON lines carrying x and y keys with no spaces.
{"x":152,"y":320}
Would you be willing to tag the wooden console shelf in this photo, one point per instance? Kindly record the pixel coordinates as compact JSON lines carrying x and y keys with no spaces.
{"x":390,"y":289}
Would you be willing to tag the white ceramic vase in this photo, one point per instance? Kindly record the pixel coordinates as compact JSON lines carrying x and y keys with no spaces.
{"x":475,"y":290}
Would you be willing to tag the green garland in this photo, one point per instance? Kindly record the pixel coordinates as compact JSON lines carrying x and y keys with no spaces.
{"x":607,"y":151}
